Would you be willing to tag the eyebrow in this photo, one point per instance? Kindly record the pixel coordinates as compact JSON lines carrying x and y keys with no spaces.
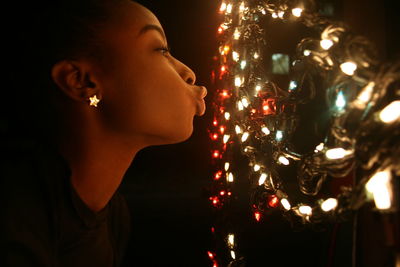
{"x":150,"y":27}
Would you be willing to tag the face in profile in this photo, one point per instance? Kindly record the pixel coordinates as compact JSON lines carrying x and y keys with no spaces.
{"x":146,"y":93}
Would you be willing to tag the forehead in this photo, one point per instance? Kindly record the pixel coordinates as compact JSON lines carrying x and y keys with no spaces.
{"x":135,"y":16}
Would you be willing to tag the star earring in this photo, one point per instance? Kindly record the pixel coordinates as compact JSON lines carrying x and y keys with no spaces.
{"x":94,"y":101}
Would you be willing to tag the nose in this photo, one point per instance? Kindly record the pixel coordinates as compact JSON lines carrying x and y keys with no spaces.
{"x":186,"y":73}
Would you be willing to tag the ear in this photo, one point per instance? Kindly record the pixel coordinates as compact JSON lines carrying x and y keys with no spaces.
{"x":75,"y":79}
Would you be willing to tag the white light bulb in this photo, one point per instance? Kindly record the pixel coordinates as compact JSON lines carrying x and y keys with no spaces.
{"x":297,"y":12}
{"x":262,"y":178}
{"x":292,"y":85}
{"x":379,"y":185}
{"x":241,"y":7}
{"x":265,"y":130}
{"x":256,"y":55}
{"x":306,"y":52}
{"x":274,"y":15}
{"x":257,"y":167}
{"x":226,"y":138}
{"x":238,"y":81}
{"x":279,"y":135}
{"x":240,"y":105}
{"x":391,"y":112}
{"x":236,"y":34}
{"x":231,"y":240}
{"x":230,"y":177}
{"x":243,"y":64}
{"x":235,"y":56}
{"x":283,"y":160}
{"x":227,"y":116}
{"x":337,"y":153}
{"x":365,"y":95}
{"x":340,"y":101}
{"x":285,"y":203}
{"x":222,"y":7}
{"x":348,"y":67}
{"x":329,"y":204}
{"x":229,"y":8}
{"x":238,"y":130}
{"x":281,"y":14}
{"x":245,"y":136}
{"x":226,"y":167}
{"x":326,"y":43}
{"x":245,"y":102}
{"x":233,"y":255}
{"x":306,"y":210}
{"x":320,"y":147}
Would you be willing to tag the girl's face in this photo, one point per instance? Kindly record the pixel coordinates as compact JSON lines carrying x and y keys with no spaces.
{"x":146,"y":93}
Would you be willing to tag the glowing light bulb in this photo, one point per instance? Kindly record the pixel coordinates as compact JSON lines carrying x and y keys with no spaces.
{"x":238,"y":130}
{"x":340,"y":101}
{"x":238,"y":81}
{"x":258,"y":88}
{"x":257,"y":216}
{"x":262,"y":178}
{"x":229,"y":177}
{"x":306,"y":52}
{"x":240,"y":105}
{"x":233,"y":255}
{"x":222,"y":7}
{"x":235,"y":56}
{"x":306,"y":210}
{"x":391,"y":112}
{"x":243,"y":64}
{"x":216,"y":154}
{"x":337,"y":153}
{"x":256,"y":167}
{"x":236,"y":34}
{"x":241,"y":7}
{"x":226,"y":138}
{"x":265,"y":130}
{"x":227,"y":116}
{"x":379,"y":185}
{"x":365,"y":95}
{"x":281,"y":14}
{"x":292,"y":85}
{"x":273,"y":201}
{"x":226,"y":167}
{"x":274,"y":15}
{"x":226,"y":50}
{"x":229,"y":9}
{"x":319,"y":147}
{"x":283,"y":160}
{"x":245,"y":102}
{"x":256,"y":55}
{"x":329,"y":204}
{"x":348,"y":67}
{"x":245,"y":136}
{"x":285,"y":203}
{"x":297,"y":12}
{"x":279,"y":135}
{"x":231,"y":240}
{"x":326,"y":43}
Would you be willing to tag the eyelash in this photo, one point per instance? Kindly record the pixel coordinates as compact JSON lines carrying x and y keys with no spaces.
{"x":165,"y":50}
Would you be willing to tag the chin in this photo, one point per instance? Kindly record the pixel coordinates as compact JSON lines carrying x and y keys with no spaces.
{"x":171,"y":137}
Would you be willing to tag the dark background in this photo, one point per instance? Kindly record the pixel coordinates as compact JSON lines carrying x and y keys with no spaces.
{"x":171,"y":215}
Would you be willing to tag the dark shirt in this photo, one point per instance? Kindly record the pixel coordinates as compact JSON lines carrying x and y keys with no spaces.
{"x":45,"y":223}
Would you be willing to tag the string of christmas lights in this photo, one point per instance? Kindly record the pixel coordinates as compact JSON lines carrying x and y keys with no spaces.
{"x":258,"y":117}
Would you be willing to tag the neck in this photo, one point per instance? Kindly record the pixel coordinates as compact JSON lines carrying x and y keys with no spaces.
{"x":98,"y":160}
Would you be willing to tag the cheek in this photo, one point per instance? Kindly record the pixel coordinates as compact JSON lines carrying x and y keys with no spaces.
{"x":150,"y":99}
